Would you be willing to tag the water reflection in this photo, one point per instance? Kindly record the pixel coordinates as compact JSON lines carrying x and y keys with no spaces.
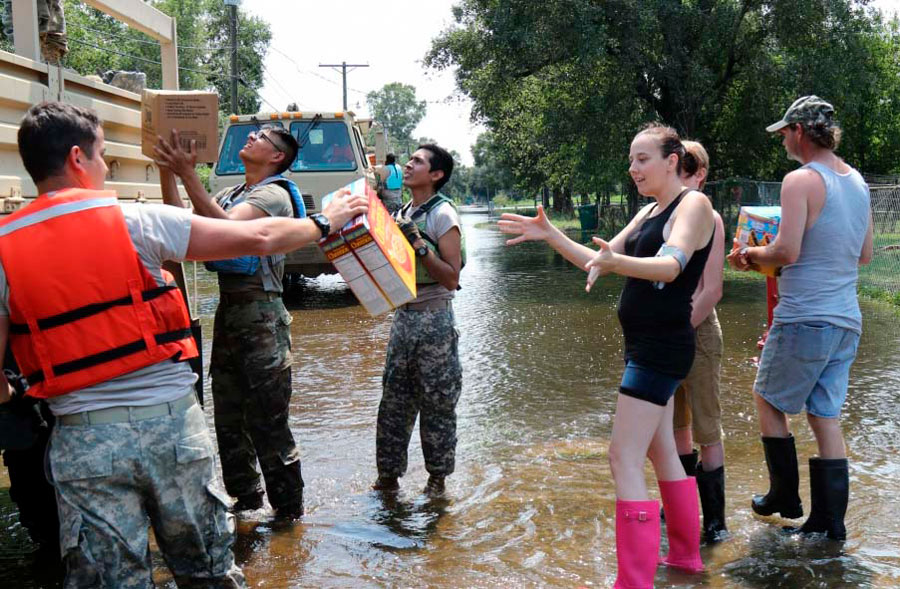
{"x":532,"y":501}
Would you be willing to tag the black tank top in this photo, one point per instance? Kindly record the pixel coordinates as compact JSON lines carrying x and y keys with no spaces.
{"x":657,"y":322}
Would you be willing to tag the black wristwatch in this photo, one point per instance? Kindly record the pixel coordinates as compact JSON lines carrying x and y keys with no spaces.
{"x":422,"y":251}
{"x":322,"y":223}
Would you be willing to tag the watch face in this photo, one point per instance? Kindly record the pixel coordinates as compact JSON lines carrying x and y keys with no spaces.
{"x":422,"y":251}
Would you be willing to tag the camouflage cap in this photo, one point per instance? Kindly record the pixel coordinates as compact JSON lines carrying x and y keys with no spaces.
{"x":806,"y":109}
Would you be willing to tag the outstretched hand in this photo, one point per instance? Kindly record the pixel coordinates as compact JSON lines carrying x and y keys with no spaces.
{"x":172,"y":156}
{"x":343,"y":207}
{"x":536,"y":228}
{"x":601,"y":264}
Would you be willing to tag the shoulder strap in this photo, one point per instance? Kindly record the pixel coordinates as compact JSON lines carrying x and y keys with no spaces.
{"x":293,"y":191}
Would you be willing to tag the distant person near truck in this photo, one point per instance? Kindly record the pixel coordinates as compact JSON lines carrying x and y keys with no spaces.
{"x":101,"y":332}
{"x":825,"y":234}
{"x":391,"y":176}
{"x":422,"y":373}
{"x":662,"y":253}
{"x":251,"y":357}
{"x":698,"y":414}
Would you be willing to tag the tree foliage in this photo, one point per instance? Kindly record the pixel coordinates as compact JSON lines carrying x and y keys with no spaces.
{"x":396,"y":107}
{"x":563,"y":85}
{"x":99,"y":43}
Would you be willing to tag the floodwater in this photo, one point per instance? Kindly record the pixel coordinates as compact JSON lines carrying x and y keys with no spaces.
{"x":532,"y":502}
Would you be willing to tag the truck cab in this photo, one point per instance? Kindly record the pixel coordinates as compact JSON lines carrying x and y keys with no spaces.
{"x":332,"y":153}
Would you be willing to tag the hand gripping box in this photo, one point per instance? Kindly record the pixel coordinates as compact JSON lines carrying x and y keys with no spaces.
{"x":194,"y":114}
{"x":372,"y":255}
{"x":759,"y":226}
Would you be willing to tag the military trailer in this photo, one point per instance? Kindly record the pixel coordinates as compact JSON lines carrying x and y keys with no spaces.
{"x":333,"y":153}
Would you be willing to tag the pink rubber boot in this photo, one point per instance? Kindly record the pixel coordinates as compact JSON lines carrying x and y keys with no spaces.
{"x":637,"y":543}
{"x":682,"y":524}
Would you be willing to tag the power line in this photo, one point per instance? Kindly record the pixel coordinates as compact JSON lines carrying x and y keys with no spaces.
{"x":144,"y":41}
{"x":184,"y":68}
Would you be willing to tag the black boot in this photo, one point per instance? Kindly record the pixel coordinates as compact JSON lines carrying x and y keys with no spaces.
{"x":689,"y":463}
{"x":711,"y":486}
{"x":784,"y":480}
{"x":829,"y":481}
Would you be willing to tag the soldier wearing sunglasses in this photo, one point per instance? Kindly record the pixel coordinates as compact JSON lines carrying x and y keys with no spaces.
{"x":251,"y":354}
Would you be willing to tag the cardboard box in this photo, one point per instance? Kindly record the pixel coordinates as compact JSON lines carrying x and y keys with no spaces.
{"x":372,"y":255}
{"x":759,"y":226}
{"x":195,"y":114}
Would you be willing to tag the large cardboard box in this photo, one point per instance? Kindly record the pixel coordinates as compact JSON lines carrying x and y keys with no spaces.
{"x":195,"y":114}
{"x":372,"y":255}
{"x":759,"y":226}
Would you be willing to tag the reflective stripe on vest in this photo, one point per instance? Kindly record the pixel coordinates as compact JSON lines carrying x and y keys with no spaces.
{"x":83,"y":309}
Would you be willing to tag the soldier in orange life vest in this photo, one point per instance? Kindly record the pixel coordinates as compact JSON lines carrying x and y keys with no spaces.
{"x":102,"y":333}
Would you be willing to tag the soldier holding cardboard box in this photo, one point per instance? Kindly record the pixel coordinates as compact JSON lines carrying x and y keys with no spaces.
{"x":251,"y":355}
{"x":422,"y":373}
{"x":825,"y":233}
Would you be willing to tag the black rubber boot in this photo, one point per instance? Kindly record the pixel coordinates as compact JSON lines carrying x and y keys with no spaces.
{"x":689,"y":462}
{"x":829,"y":481}
{"x":711,"y":486}
{"x":784,"y":480}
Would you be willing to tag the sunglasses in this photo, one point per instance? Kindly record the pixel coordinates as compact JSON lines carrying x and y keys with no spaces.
{"x":261,"y":135}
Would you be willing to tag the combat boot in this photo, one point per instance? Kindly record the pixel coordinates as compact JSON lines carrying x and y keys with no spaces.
{"x":435,"y":486}
{"x":784,"y":480}
{"x":248,"y":502}
{"x":829,"y":481}
{"x":711,"y":486}
{"x":386,"y":483}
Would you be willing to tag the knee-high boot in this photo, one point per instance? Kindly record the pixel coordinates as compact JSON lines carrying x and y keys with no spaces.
{"x":637,"y":543}
{"x":682,"y":524}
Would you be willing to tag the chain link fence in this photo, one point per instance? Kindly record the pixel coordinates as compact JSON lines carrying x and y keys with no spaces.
{"x":882,"y":274}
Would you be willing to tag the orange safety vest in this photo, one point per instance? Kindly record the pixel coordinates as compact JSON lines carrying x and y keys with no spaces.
{"x":83,"y":309}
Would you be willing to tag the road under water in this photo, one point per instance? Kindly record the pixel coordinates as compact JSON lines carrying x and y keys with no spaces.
{"x":532,"y":502}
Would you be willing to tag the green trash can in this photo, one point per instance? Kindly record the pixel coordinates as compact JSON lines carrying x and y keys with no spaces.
{"x":587,"y":216}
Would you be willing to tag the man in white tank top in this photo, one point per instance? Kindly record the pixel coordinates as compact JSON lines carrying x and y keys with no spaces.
{"x":825,"y":234}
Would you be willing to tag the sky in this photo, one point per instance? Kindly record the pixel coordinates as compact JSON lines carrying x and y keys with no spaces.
{"x":392,"y":37}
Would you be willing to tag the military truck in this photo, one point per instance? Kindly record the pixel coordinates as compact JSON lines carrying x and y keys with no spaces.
{"x":333,"y":153}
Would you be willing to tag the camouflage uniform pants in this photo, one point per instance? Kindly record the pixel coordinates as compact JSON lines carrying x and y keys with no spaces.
{"x":251,"y":387}
{"x":113,"y":479}
{"x":422,"y":376}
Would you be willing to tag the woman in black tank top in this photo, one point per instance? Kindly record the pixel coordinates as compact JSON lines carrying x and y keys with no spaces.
{"x":661,"y":253}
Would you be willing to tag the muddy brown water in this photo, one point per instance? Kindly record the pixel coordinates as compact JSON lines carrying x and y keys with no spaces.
{"x":532,"y":502}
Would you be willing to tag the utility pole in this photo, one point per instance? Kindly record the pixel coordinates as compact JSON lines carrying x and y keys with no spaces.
{"x":344,"y":65}
{"x":232,"y":29}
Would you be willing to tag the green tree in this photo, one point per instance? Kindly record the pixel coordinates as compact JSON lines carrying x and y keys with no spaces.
{"x":564,"y":84}
{"x":395,"y":106}
{"x":99,"y":43}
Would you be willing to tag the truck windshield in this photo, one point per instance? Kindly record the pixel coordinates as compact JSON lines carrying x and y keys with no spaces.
{"x":326,"y":147}
{"x":229,"y":163}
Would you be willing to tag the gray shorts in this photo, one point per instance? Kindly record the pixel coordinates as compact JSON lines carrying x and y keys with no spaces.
{"x":807,"y":365}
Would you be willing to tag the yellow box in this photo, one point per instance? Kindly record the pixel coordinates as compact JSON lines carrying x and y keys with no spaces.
{"x":759,"y":226}
{"x":194,"y":114}
{"x":372,"y":255}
